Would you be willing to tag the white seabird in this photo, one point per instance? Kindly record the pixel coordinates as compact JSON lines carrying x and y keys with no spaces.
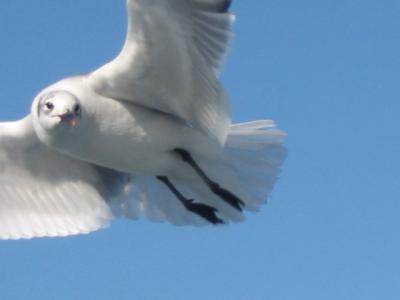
{"x":149,"y":134}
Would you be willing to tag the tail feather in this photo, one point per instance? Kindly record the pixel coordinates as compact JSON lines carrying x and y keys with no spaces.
{"x":248,"y":166}
{"x":256,"y":151}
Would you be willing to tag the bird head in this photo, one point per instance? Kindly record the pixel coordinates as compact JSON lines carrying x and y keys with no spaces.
{"x":57,"y":110}
{"x":57,"y":116}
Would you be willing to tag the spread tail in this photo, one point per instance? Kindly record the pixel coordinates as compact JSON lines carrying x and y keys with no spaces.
{"x":248,"y":167}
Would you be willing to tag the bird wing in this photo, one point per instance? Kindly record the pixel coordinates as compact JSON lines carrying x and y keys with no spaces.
{"x":170,"y":61}
{"x":43,"y":192}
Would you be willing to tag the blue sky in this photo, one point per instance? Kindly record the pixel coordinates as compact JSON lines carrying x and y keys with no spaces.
{"x":327,"y":71}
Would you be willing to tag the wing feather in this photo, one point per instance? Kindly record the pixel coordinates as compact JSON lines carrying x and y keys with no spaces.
{"x":43,"y":192}
{"x":170,"y":61}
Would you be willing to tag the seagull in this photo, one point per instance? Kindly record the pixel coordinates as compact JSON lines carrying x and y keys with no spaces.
{"x":147,"y":134}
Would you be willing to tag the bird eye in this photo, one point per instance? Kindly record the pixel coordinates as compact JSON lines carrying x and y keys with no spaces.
{"x":49,"y":105}
{"x":77,"y":108}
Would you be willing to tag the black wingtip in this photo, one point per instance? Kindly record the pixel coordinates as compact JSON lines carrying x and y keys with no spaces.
{"x":226,"y":5}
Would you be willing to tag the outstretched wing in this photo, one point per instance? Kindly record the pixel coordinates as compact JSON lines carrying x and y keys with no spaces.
{"x":44,"y":193}
{"x":170,"y":61}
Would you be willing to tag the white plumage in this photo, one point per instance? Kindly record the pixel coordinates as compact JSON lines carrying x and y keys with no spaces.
{"x":147,"y":134}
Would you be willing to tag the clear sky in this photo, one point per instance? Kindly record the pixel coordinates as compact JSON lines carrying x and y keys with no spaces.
{"x":327,"y":71}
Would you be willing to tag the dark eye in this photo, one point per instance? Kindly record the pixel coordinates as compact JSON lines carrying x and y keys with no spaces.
{"x":77,"y":108}
{"x":49,"y":105}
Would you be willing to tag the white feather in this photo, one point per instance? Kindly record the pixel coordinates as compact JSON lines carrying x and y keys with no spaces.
{"x":172,"y":53}
{"x":248,"y":165}
{"x":44,"y":193}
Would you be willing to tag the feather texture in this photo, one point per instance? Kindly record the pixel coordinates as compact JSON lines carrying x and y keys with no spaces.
{"x":248,"y":166}
{"x":45,"y":193}
{"x":173,"y":52}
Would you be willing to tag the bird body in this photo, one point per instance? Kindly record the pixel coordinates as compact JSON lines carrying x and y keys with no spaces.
{"x":128,"y":125}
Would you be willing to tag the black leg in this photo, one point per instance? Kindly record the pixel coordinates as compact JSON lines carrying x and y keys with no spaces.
{"x":224,"y":194}
{"x":205,"y":211}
